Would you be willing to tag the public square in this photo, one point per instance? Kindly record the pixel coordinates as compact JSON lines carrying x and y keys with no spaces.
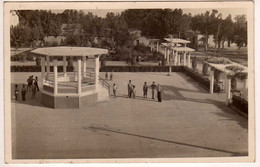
{"x":189,"y":122}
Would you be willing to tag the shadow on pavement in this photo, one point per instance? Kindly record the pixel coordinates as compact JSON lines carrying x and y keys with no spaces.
{"x":111,"y":130}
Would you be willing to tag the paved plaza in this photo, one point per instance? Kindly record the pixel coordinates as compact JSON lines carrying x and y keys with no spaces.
{"x":189,"y":122}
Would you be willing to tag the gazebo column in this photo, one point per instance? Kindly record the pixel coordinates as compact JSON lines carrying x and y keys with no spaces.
{"x":43,"y":67}
{"x":188,"y":59}
{"x":211,"y":79}
{"x":55,"y":70}
{"x":96,"y":71}
{"x":179,"y":59}
{"x":64,"y":67}
{"x":157,"y":47}
{"x":79,"y":76}
{"x":48,"y":66}
{"x":184,"y":59}
{"x":168,"y":55}
{"x":84,"y":66}
{"x":228,"y":89}
{"x":175,"y":58}
{"x":165,"y":50}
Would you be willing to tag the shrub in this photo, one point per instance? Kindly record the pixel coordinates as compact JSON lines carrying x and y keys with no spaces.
{"x":140,"y":69}
{"x":240,"y":103}
{"x":37,"y":69}
{"x":205,"y":82}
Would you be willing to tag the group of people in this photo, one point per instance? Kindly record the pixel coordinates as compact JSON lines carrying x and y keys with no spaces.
{"x":32,"y":86}
{"x":132,"y":90}
{"x":111,"y":76}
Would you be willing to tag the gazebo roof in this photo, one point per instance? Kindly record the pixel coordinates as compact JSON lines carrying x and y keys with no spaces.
{"x":183,"y":49}
{"x":176,"y":40}
{"x":70,"y":51}
{"x":167,"y":44}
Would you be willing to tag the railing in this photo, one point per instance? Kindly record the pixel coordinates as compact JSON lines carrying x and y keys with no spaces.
{"x":104,"y":84}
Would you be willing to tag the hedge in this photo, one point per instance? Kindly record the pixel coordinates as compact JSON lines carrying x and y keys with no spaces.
{"x":37,"y":68}
{"x":204,"y":81}
{"x":140,"y":69}
{"x":240,"y":103}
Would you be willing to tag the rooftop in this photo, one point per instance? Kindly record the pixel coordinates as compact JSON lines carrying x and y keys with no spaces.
{"x":70,"y":51}
{"x":176,"y":40}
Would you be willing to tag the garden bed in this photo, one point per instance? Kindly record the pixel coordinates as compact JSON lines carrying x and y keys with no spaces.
{"x":240,"y":103}
{"x":140,"y":69}
{"x":37,"y":68}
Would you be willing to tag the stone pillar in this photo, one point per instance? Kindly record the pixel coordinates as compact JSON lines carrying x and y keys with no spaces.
{"x":175,"y":59}
{"x":64,"y":67}
{"x":211,"y":78}
{"x":48,"y":66}
{"x":84,"y":66}
{"x":79,"y":76}
{"x":55,"y":70}
{"x":184,"y":59}
{"x":188,"y":60}
{"x":228,"y":89}
{"x":43,"y":67}
{"x":157,"y":48}
{"x":96,"y":71}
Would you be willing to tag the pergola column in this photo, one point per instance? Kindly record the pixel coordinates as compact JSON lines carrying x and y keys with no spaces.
{"x":245,"y":87}
{"x":48,"y":66}
{"x":43,"y":67}
{"x":55,"y":70}
{"x":96,"y":71}
{"x":228,"y":89}
{"x":211,"y":79}
{"x":64,"y":67}
{"x":84,"y":66}
{"x":184,"y":59}
{"x":79,"y":76}
{"x":175,"y":58}
{"x":157,"y":47}
{"x":189,"y":59}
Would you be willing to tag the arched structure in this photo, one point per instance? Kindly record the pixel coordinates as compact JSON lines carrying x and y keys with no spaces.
{"x":62,"y":89}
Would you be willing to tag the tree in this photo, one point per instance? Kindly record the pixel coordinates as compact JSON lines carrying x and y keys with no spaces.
{"x":240,"y":31}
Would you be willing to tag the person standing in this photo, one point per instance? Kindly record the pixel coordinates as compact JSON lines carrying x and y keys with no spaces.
{"x":111,"y":76}
{"x":145,"y":89}
{"x":129,"y":87}
{"x":153,"y":86}
{"x":34,"y":88}
{"x":16,"y":92}
{"x":23,"y":92}
{"x":29,"y":83}
{"x":114,"y":90}
{"x":159,"y":93}
{"x":36,"y":83}
{"x":134,"y":91}
{"x":106,"y":75}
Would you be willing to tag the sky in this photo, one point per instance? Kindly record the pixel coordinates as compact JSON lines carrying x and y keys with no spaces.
{"x":224,"y":11}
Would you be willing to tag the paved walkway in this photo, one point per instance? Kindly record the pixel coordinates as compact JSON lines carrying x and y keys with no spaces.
{"x":188,"y":123}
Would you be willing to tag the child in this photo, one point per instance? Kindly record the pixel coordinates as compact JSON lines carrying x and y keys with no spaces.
{"x":134,"y":92}
{"x":114,"y":90}
{"x":16,"y":92}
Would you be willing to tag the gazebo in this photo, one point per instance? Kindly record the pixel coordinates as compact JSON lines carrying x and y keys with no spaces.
{"x":71,"y":89}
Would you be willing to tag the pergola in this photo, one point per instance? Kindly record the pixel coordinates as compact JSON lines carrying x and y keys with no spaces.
{"x":63,"y":88}
{"x":224,"y":69}
{"x":186,"y":54}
